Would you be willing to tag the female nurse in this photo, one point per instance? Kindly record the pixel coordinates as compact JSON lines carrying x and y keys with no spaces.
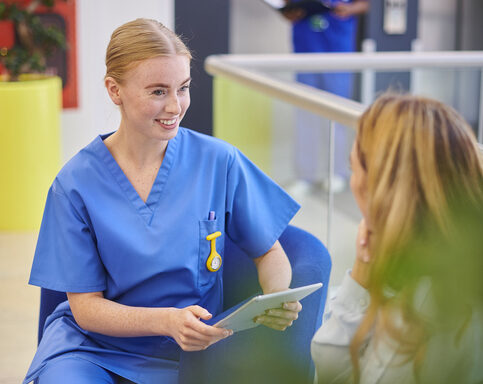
{"x":126,"y":222}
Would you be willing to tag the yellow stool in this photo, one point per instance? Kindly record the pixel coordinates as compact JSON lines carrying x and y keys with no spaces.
{"x":29,"y":149}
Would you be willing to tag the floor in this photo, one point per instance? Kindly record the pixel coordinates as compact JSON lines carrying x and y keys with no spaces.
{"x":19,"y":306}
{"x":19,"y":302}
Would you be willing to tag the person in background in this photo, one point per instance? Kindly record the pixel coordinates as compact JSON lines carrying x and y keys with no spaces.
{"x":332,"y":31}
{"x":410,"y":310}
{"x":129,"y":224}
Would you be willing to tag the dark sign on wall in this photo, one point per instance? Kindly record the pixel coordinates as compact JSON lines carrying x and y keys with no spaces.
{"x":204,"y":26}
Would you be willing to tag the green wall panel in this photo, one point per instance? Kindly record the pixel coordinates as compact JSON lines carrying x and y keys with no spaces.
{"x":243,"y":117}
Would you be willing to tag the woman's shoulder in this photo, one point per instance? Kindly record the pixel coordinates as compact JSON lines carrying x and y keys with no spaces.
{"x":196,"y":142}
{"x":195,"y":137}
{"x":81,"y":168}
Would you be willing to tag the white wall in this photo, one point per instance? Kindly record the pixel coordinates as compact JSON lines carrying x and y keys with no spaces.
{"x":96,"y":20}
{"x":255,"y":28}
{"x":437,"y":24}
{"x":438,"y":31}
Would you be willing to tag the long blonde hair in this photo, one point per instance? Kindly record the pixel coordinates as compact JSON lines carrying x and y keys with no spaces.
{"x":139,"y":40}
{"x":421,"y":158}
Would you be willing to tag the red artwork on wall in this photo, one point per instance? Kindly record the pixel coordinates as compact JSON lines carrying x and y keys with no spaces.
{"x":64,"y":62}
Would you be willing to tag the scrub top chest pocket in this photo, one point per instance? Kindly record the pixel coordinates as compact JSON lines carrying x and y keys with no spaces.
{"x":210,"y":254}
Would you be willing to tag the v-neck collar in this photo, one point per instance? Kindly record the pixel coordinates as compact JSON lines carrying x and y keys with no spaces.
{"x":145,"y":209}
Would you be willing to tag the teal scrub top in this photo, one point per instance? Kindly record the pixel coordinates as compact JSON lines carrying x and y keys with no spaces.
{"x":97,"y":234}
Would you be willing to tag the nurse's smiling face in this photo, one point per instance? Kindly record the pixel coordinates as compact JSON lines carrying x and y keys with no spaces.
{"x":154,"y":96}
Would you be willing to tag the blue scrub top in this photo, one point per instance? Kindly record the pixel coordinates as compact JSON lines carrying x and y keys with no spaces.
{"x":97,"y":234}
{"x":325,"y":32}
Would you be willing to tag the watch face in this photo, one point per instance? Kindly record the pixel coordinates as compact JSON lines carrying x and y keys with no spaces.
{"x":215,"y":263}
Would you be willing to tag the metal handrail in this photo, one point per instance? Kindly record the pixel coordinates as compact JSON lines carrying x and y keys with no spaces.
{"x":247,"y":70}
{"x":323,"y":103}
{"x":355,"y":61}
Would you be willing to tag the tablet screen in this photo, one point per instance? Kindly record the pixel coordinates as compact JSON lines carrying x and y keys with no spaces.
{"x":242,"y":318}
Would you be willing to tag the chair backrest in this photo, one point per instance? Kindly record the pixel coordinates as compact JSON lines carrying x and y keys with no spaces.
{"x":261,"y":354}
{"x":49,"y":300}
{"x":305,"y":252}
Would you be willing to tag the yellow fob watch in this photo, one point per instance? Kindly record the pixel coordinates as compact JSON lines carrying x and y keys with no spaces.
{"x":214,"y":259}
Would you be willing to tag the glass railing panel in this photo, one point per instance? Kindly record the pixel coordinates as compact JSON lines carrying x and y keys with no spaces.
{"x":301,"y":161}
{"x":281,"y":139}
{"x":459,"y":87}
{"x":263,"y":129}
{"x":266,"y":129}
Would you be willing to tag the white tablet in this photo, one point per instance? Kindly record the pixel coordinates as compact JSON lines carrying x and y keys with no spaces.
{"x":242,"y":318}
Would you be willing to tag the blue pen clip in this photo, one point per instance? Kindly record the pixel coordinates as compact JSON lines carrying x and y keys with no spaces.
{"x":211,"y":216}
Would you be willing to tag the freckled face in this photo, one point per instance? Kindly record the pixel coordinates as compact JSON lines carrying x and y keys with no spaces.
{"x":358,"y":181}
{"x":155,"y":96}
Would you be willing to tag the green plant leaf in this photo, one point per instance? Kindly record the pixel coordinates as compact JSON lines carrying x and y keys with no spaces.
{"x":35,"y":42}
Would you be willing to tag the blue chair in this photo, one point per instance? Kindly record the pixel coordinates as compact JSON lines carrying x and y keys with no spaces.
{"x":258,"y":355}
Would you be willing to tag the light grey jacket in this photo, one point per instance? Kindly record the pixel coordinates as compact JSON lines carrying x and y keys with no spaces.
{"x":445,"y":361}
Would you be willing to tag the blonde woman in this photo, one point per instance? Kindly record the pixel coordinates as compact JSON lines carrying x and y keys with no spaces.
{"x":410,"y":308}
{"x":129,"y":222}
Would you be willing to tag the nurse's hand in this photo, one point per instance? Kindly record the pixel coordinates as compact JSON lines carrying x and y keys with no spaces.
{"x":294,"y":15}
{"x":345,"y":10}
{"x":280,"y":318}
{"x":190,"y":332}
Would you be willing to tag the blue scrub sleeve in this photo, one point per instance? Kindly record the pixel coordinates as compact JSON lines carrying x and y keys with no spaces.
{"x":257,"y":209}
{"x":66,"y":257}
